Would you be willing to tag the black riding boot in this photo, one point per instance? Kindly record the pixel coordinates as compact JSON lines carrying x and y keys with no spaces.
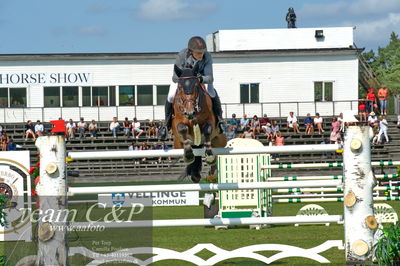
{"x":218,"y":112}
{"x":168,"y":114}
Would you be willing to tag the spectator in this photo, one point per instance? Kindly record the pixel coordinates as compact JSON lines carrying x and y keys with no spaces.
{"x":144,"y":147}
{"x":114,"y":127}
{"x":29,"y":131}
{"x":308,"y":122}
{"x":93,"y":129}
{"x":398,"y":121}
{"x":136,"y":128}
{"x":375,"y":131}
{"x":263,"y":122}
{"x":255,"y":125}
{"x":372,"y":119}
{"x":335,"y":132}
{"x":248,"y":134}
{"x":234,"y":123}
{"x":362,"y":110}
{"x":318,"y":123}
{"x":340,"y":120}
{"x":371,"y":100}
{"x":4,"y":141}
{"x":82,"y":127}
{"x":162,"y":131}
{"x":71,"y":127}
{"x":230,"y":133}
{"x":383,"y":94}
{"x":383,"y":127}
{"x":39,"y":128}
{"x":274,"y":128}
{"x":244,"y":122}
{"x":1,"y":130}
{"x":268,"y":132}
{"x":327,"y":154}
{"x":11,"y":146}
{"x":279,"y":139}
{"x":127,"y":127}
{"x":164,"y":147}
{"x":292,"y":123}
{"x":134,"y":147}
{"x":152,"y":130}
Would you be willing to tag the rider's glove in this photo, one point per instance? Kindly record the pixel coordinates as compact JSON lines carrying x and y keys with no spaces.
{"x":200,"y":77}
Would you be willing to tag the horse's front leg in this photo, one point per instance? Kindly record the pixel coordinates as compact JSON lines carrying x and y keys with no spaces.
{"x":183,"y":131}
{"x":210,"y":158}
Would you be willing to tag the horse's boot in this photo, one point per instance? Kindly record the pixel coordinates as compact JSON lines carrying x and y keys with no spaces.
{"x":218,"y":112}
{"x":168,"y":114}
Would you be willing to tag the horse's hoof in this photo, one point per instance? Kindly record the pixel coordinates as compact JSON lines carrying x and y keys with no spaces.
{"x":211,"y":159}
{"x":195,"y":178}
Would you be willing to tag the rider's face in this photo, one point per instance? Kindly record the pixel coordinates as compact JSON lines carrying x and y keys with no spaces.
{"x":198,"y":55}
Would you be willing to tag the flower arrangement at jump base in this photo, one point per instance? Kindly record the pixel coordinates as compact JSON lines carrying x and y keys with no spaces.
{"x":35,"y":177}
{"x":387,"y":249}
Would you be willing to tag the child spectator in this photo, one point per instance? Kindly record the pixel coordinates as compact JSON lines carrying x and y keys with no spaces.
{"x":335,"y":133}
{"x":362,"y":110}
{"x":39,"y":128}
{"x":371,"y":100}
{"x":383,"y":94}
{"x":275,"y":128}
{"x":127,"y":127}
{"x":292,"y":123}
{"x":93,"y":129}
{"x":29,"y":131}
{"x":263,"y":122}
{"x":268,"y":132}
{"x":136,"y":130}
{"x":255,"y":124}
{"x":372,"y":119}
{"x":248,"y":134}
{"x":234,"y":123}
{"x":230,"y":133}
{"x":114,"y":127}
{"x":152,"y":130}
{"x":82,"y":127}
{"x":383,"y":127}
{"x":279,"y":139}
{"x":375,"y":131}
{"x":308,"y":122}
{"x":244,"y":122}
{"x":71,"y":126}
{"x":318,"y":120}
{"x":144,"y":147}
{"x":4,"y":141}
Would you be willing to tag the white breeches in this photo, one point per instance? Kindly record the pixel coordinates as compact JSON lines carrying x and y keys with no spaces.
{"x":173,"y":87}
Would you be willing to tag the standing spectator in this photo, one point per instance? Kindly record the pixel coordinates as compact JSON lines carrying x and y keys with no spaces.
{"x":144,"y":147}
{"x":162,"y":131}
{"x":255,"y":124}
{"x":291,"y":122}
{"x":93,"y":129}
{"x":114,"y":127}
{"x":335,"y":132}
{"x":383,"y":94}
{"x":308,"y":122}
{"x":340,"y":120}
{"x":230,"y":133}
{"x":234,"y":123}
{"x":275,"y":128}
{"x":362,"y":110}
{"x":372,"y":119}
{"x":248,"y":134}
{"x":244,"y":122}
{"x":152,"y":130}
{"x":263,"y":122}
{"x":371,"y":100}
{"x":71,"y":127}
{"x":82,"y":127}
{"x":383,"y":127}
{"x":29,"y":131}
{"x":39,"y":128}
{"x":127,"y":127}
{"x":136,"y":128}
{"x":11,"y":146}
{"x":318,"y":120}
{"x":4,"y":141}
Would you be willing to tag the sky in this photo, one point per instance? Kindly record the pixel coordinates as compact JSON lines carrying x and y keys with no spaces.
{"x":140,"y":26}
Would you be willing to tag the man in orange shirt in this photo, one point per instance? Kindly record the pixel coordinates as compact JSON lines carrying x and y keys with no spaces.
{"x":383,"y":94}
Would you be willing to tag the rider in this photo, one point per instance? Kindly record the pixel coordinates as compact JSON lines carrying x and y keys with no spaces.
{"x":195,"y":53}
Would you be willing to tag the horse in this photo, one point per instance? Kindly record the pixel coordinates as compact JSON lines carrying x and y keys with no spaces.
{"x":195,"y":122}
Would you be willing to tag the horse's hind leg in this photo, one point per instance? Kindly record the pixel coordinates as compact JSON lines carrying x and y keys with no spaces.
{"x":210,"y":158}
{"x":188,"y":155}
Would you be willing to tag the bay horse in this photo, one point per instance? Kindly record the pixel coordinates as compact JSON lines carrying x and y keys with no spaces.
{"x":194,"y":122}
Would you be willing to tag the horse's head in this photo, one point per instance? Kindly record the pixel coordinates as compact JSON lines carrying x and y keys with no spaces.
{"x":188,"y":91}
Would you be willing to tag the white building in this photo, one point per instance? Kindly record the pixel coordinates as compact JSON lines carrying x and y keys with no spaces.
{"x":271,"y":71}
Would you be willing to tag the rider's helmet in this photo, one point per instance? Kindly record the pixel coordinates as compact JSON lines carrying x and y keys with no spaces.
{"x":197,"y":44}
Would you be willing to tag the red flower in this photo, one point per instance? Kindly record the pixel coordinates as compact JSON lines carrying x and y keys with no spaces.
{"x":33,"y":192}
{"x":37,"y":179}
{"x":38,"y":156}
{"x":31,"y":170}
{"x":37,"y":164}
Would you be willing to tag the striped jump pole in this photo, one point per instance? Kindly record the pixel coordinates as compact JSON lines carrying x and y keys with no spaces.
{"x":336,"y":199}
{"x":201,"y":152}
{"x":329,"y":177}
{"x":323,"y":165}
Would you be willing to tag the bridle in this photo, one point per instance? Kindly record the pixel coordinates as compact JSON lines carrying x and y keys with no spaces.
{"x":193,"y":98}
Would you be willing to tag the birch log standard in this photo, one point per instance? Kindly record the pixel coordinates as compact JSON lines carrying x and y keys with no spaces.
{"x":52,"y":192}
{"x":359,"y":182}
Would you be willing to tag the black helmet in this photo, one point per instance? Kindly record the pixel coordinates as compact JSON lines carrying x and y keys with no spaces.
{"x":197,"y":44}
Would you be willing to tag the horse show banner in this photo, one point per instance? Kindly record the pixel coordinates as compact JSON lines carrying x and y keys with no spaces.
{"x":181,"y":198}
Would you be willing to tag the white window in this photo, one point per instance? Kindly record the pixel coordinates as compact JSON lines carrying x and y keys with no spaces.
{"x":323,"y":91}
{"x":249,"y":93}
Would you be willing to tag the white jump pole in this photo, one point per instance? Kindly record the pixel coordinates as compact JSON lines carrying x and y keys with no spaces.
{"x":202,"y":187}
{"x":328,"y":177}
{"x":213,"y":222}
{"x":200,"y":152}
{"x":323,"y":165}
{"x":328,"y":199}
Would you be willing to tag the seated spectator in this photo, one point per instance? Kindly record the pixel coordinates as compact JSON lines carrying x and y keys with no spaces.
{"x":164,"y":147}
{"x":230,"y":133}
{"x":93,"y":129}
{"x":29,"y":131}
{"x":248,"y":134}
{"x":371,"y":119}
{"x":134,"y":147}
{"x":82,"y":127}
{"x":162,"y":131}
{"x":255,"y":125}
{"x":362,"y":110}
{"x":127,"y":127}
{"x":144,"y":147}
{"x":292,"y":122}
{"x":263,"y":122}
{"x":4,"y":141}
{"x":39,"y":128}
{"x":375,"y":131}
{"x":71,"y":127}
{"x":11,"y":145}
{"x":335,"y":133}
{"x":244,"y":123}
{"x":383,"y":128}
{"x":308,"y":122}
{"x":234,"y":123}
{"x":114,"y":127}
{"x":136,"y":130}
{"x":279,"y":139}
{"x":268,"y":132}
{"x":152,"y":130}
{"x":274,"y":128}
{"x":318,"y":120}
{"x":398,"y":121}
